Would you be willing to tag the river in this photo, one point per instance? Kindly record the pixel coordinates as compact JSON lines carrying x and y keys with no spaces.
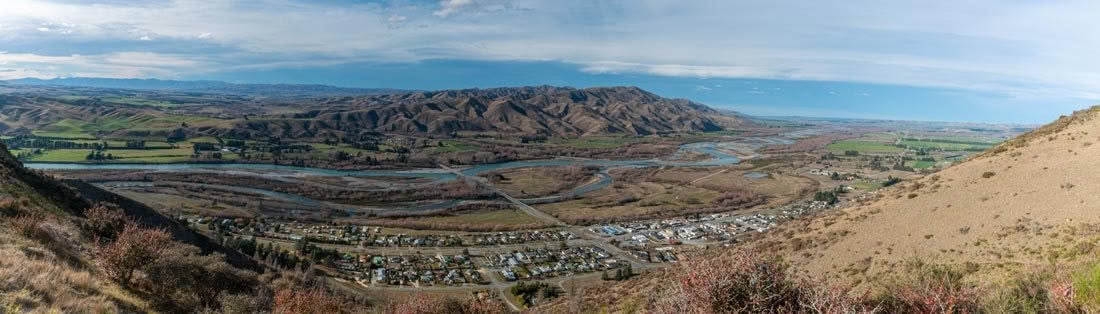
{"x":718,"y":152}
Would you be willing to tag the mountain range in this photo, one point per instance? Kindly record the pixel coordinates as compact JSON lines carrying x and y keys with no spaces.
{"x":540,"y":110}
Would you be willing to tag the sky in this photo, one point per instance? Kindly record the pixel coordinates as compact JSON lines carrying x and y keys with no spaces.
{"x":984,"y":61}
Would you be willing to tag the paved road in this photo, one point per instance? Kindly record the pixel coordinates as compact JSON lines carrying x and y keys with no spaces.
{"x":709,"y":175}
{"x":584,"y":233}
{"x":587,"y":237}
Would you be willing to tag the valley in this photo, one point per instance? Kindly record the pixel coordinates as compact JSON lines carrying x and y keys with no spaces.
{"x":453,"y":210}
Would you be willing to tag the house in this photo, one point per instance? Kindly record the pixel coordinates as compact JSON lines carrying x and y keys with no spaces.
{"x":508,"y":274}
{"x":380,"y":275}
{"x":453,"y":277}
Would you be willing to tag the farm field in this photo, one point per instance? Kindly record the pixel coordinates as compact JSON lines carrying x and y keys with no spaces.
{"x":921,"y":164}
{"x":946,"y":145}
{"x":866,"y":185}
{"x":182,"y":153}
{"x":138,"y":101}
{"x":863,"y":146}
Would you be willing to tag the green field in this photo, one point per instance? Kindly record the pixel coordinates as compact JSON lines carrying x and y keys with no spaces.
{"x":67,"y":128}
{"x":138,"y":101}
{"x":78,"y":129}
{"x":920,"y":164}
{"x":126,"y":100}
{"x":153,"y":156}
{"x":866,"y":185}
{"x":944,"y":145}
{"x":181,"y":153}
{"x":863,"y":147}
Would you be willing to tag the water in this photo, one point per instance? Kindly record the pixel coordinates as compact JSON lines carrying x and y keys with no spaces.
{"x":756,"y":175}
{"x":233,"y":168}
{"x":715,"y":150}
{"x":289,"y":197}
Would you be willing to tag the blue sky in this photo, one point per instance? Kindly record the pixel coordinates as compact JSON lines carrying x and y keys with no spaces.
{"x":988,"y":61}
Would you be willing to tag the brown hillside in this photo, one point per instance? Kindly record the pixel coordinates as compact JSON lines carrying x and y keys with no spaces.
{"x":48,"y":248}
{"x":1030,"y":201}
{"x":1012,"y":211}
{"x":541,"y":110}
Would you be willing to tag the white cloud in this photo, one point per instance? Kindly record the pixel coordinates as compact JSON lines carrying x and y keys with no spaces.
{"x":448,"y":7}
{"x":120,"y":65}
{"x":145,"y":38}
{"x":1025,"y":49}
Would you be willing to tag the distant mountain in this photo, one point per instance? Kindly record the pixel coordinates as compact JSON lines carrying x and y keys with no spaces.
{"x":271,"y":90}
{"x":542,"y":110}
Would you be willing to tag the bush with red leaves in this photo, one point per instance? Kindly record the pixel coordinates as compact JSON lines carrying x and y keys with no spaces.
{"x":311,"y":300}
{"x":747,"y":281}
{"x":28,"y":225}
{"x":423,"y":304}
{"x":133,"y":248}
{"x":104,"y":221}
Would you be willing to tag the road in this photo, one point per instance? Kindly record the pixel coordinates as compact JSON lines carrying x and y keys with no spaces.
{"x":584,"y":233}
{"x":587,"y":237}
{"x":522,"y":206}
{"x":709,"y":175}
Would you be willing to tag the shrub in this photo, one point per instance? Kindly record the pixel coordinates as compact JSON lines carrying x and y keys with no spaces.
{"x":308,"y":300}
{"x":988,"y":174}
{"x":424,"y":304}
{"x":930,"y":289}
{"x":8,"y":206}
{"x":1086,"y":287}
{"x":243,"y":303}
{"x":891,"y":181}
{"x":746,"y":281}
{"x":29,"y":225}
{"x":1033,"y":293}
{"x":183,"y":279}
{"x":134,"y":248}
{"x":103,"y":221}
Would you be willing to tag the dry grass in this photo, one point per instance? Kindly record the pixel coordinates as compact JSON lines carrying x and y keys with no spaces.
{"x":1000,"y":211}
{"x":33,"y":280}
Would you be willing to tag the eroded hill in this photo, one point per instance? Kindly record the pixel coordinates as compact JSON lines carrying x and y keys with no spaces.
{"x":543,"y":110}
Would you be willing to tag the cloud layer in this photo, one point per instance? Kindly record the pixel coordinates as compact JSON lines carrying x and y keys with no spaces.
{"x":1023,"y":49}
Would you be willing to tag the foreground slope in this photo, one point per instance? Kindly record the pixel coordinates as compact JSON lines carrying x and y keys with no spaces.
{"x":48,"y":248}
{"x":1011,"y":230}
{"x":1028,"y":202}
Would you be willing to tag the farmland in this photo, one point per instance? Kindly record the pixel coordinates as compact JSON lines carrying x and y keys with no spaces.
{"x":946,"y":145}
{"x":863,"y":146}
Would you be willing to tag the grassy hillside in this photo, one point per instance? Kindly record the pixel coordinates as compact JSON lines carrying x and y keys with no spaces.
{"x":75,"y":248}
{"x":1012,"y":230}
